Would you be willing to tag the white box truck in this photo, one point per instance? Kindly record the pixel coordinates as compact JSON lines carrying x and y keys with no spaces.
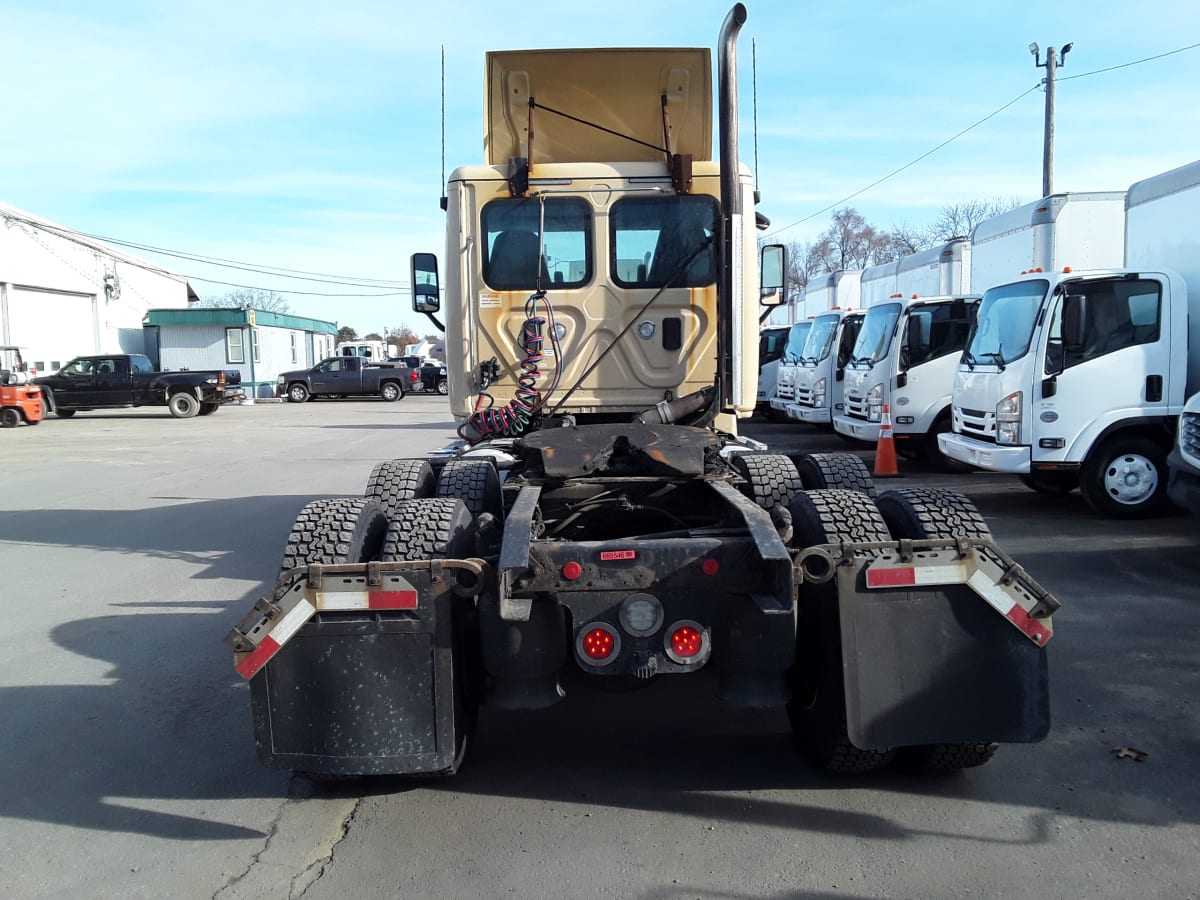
{"x":834,"y":303}
{"x":907,"y":352}
{"x":1077,"y":378}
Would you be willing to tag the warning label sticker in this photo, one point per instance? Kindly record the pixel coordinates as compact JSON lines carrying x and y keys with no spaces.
{"x":488,"y":299}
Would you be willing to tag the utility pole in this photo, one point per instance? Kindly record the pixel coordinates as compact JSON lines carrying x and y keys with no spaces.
{"x":1052,"y":64}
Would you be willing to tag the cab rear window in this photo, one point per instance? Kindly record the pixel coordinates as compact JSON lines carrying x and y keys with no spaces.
{"x":516,"y":259}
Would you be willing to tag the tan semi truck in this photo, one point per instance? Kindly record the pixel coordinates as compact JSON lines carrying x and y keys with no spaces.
{"x":601,"y":514}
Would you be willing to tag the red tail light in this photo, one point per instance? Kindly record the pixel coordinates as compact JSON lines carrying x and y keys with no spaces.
{"x":598,"y":644}
{"x":412,"y":376}
{"x":686,"y":641}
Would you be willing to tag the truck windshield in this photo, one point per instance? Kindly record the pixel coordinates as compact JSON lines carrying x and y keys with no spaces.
{"x":652,"y":238}
{"x":875,"y":338}
{"x":797,"y":335}
{"x":820,"y":338}
{"x":1004,"y":324}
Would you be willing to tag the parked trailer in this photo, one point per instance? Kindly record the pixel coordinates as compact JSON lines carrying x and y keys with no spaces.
{"x":600,"y":511}
{"x":1077,"y":378}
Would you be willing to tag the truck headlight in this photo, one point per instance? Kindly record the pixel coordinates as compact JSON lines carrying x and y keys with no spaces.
{"x":1008,"y":419}
{"x":819,"y":392}
{"x":875,"y":403}
{"x":279,"y":380}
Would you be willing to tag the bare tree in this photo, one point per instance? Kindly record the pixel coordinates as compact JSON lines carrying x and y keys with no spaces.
{"x":908,"y":239}
{"x":959,"y":219}
{"x":254,"y":298}
{"x":401,"y":337}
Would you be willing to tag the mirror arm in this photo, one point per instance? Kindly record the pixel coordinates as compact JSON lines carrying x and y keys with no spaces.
{"x":434,"y":320}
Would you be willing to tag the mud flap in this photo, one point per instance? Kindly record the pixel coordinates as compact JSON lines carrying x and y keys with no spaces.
{"x":936,"y":664}
{"x":347,"y":679}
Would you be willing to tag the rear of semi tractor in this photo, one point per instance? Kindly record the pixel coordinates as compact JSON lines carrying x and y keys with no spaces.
{"x":600,"y":512}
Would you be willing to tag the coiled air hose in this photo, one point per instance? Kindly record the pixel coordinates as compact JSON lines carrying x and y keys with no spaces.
{"x":512,"y":419}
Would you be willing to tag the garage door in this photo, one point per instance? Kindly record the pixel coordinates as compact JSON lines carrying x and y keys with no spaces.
{"x":52,"y":327}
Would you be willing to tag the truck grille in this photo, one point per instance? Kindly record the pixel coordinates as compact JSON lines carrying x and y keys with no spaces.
{"x":975,"y":423}
{"x":856,"y":407}
{"x":1189,"y":434}
{"x":804,"y":397}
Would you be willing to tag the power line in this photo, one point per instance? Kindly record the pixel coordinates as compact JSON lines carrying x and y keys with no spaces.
{"x":873,"y":184}
{"x":254,"y":287}
{"x":907,"y":165}
{"x":1136,"y":62}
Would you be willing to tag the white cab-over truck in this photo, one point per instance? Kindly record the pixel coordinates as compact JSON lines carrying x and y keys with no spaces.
{"x":785,"y":379}
{"x":918,"y":318}
{"x":772,"y":341}
{"x":1075,"y":376}
{"x":601,"y":521}
{"x":819,"y":378}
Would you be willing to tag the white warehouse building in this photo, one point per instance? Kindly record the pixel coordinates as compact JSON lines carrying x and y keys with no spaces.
{"x":63,"y":294}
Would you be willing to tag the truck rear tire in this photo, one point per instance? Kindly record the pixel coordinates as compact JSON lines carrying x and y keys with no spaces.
{"x":430,"y":528}
{"x":1126,"y":478}
{"x":183,"y":405}
{"x":65,"y":413}
{"x":9,"y":417}
{"x":475,"y":483}
{"x":920,"y":513}
{"x":835,"y":471}
{"x":328,"y":532}
{"x":397,"y":480}
{"x":207,"y":409}
{"x":817,"y":710}
{"x":771,"y":479}
{"x":931,"y":513}
{"x":443,"y":387}
{"x":297,"y":393}
{"x":391,"y":391}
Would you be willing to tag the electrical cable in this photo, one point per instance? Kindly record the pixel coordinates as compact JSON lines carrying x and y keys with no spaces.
{"x":907,"y":165}
{"x":1136,"y":62}
{"x":514,"y":418}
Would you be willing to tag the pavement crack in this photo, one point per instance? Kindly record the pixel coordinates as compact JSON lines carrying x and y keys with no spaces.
{"x":312,"y":874}
{"x":258,"y":854}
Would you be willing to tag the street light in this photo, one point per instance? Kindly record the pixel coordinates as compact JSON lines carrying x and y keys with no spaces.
{"x":1051,"y":65}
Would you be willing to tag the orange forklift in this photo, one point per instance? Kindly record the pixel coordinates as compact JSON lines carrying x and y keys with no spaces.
{"x":20,"y":401}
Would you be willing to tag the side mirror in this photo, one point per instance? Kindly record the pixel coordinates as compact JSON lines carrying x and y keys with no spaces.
{"x":1076,"y":321}
{"x":771,"y":275}
{"x":426,"y":295}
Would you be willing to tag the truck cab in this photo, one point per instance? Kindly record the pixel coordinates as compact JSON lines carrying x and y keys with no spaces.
{"x":771,"y":343}
{"x":785,"y":384}
{"x":905,"y":358}
{"x":822,"y":368}
{"x":1071,"y":379}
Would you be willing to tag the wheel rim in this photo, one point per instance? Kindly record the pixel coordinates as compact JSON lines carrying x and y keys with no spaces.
{"x":1130,"y":479}
{"x":442,"y":388}
{"x":297,"y":394}
{"x":390,"y":392}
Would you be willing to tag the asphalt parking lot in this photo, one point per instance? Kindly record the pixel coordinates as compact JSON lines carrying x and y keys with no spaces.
{"x":130,"y":542}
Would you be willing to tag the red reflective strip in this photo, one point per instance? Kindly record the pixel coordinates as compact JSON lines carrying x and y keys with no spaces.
{"x":258,"y":657}
{"x":1028,"y":624}
{"x":901,"y":576}
{"x":392,"y":600}
{"x":606,"y":555}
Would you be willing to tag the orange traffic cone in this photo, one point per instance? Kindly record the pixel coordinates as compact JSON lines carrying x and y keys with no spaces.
{"x":885,"y":450}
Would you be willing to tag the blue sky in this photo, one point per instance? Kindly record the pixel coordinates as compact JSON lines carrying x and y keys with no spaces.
{"x":305,"y":135}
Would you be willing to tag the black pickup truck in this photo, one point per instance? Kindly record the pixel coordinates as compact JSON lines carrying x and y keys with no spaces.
{"x":342,"y":376}
{"x":114,"y":380}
